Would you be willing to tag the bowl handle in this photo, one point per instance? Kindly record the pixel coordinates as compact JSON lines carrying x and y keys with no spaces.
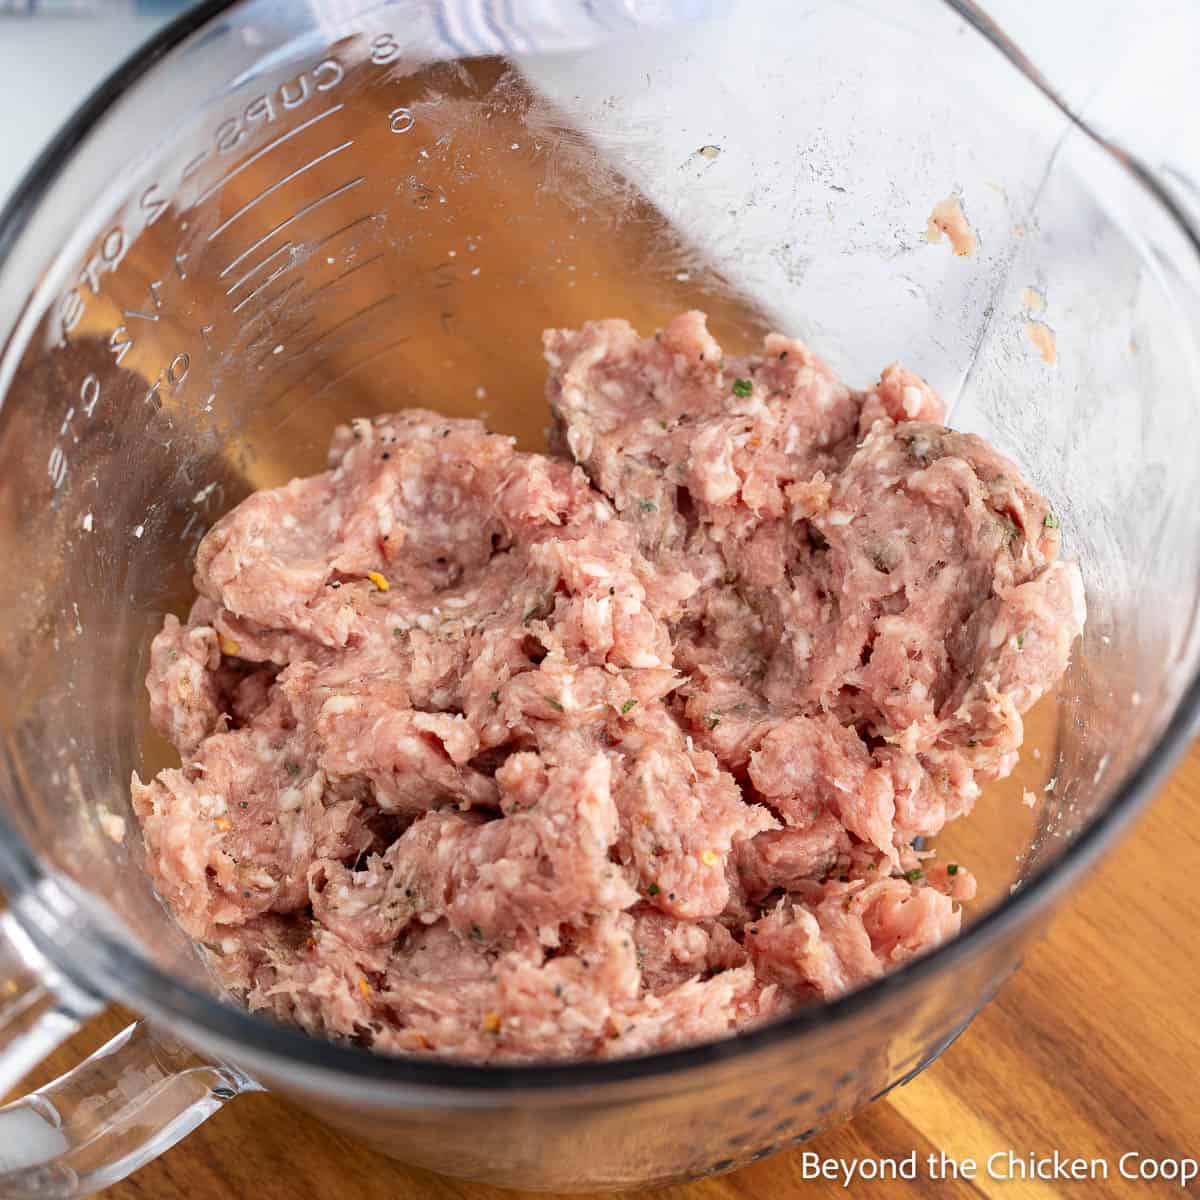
{"x":134,"y":1098}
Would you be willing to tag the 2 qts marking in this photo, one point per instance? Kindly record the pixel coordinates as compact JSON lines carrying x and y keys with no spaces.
{"x":57,"y":466}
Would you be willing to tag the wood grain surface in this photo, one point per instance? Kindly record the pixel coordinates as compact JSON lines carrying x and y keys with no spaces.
{"x":1092,"y":1049}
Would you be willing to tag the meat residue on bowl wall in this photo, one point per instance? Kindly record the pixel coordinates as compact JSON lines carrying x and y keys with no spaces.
{"x":1033,"y":301}
{"x":1043,"y":339}
{"x":948,"y":220}
{"x":1037,"y":331}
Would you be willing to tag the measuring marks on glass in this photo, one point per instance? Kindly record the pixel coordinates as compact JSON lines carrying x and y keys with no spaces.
{"x":295,"y":131}
{"x":282,"y":258}
{"x":250,"y":205}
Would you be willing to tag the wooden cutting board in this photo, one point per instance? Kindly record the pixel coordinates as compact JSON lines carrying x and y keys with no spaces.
{"x":1092,"y":1049}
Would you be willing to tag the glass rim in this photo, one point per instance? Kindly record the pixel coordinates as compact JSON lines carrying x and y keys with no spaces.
{"x":141,"y":980}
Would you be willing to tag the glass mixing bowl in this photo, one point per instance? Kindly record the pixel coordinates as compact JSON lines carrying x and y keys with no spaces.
{"x":278,"y":216}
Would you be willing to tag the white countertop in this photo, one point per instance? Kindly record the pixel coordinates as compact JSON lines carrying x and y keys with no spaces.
{"x":48,"y":65}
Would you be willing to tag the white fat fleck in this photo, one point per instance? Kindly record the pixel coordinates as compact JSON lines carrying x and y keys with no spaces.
{"x":230,"y":945}
{"x":1028,"y":798}
{"x":1052,"y":784}
{"x":1078,"y":599}
{"x":593,"y":568}
{"x":138,"y":530}
{"x":1037,"y":753}
{"x":642,"y":659}
{"x":749,"y":406}
{"x":339,"y":704}
{"x":300,"y":841}
{"x":579,"y":443}
{"x":1135,"y":698}
{"x":87,"y":522}
{"x":551,"y":358}
{"x":291,"y":798}
{"x":918,"y":691}
{"x":426,"y":622}
{"x":792,"y":441}
{"x":1101,"y":767}
{"x":838,"y":517}
{"x":213,"y":805}
{"x":112,"y":826}
{"x":802,"y":645}
{"x":911,"y":401}
{"x":689,"y":743}
{"x":414,"y":493}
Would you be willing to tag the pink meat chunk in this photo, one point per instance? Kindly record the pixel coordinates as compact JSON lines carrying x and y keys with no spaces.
{"x":510,"y":756}
{"x":831,"y":937}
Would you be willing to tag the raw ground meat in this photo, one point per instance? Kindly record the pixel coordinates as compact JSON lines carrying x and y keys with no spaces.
{"x":514,"y":756}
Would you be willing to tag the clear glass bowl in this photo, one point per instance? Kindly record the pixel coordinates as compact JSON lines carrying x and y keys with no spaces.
{"x":277,"y":217}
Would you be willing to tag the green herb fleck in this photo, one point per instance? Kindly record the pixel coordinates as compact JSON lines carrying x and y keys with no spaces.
{"x":952,"y":869}
{"x":397,"y":631}
{"x":742,"y":387}
{"x":662,"y":424}
{"x":871,"y":866}
{"x":1021,"y":638}
{"x":627,"y":706}
{"x":554,"y":704}
{"x":1050,"y":521}
{"x":647,"y":506}
{"x":712,"y":720}
{"x":653,"y":890}
{"x":494,"y":697}
{"x":913,"y":875}
{"x":292,"y":768}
